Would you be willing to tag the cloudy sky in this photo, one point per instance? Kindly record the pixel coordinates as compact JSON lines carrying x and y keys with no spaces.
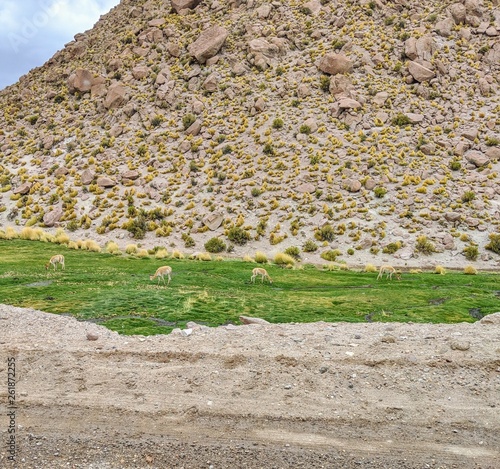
{"x":32,"y":31}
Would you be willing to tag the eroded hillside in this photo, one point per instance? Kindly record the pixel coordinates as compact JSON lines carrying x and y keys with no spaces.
{"x":362,"y":126}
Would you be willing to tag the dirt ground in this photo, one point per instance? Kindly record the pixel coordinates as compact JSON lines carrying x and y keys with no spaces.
{"x":315,"y":395}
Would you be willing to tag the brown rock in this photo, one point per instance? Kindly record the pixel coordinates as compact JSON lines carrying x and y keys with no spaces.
{"x":105,"y":181}
{"x":52,"y":217}
{"x":493,"y":318}
{"x":419,"y":72}
{"x":306,"y":187}
{"x":132,"y":174}
{"x":87,"y":177}
{"x":334,"y":64}
{"x":179,"y":5}
{"x":140,"y":71}
{"x":91,"y":336}
{"x":213,"y":221}
{"x":353,"y":185}
{"x":477,"y":158}
{"x":81,"y":81}
{"x":115,"y":97}
{"x":493,"y":153}
{"x":194,"y":128}
{"x":208,"y":43}
{"x":23,"y":189}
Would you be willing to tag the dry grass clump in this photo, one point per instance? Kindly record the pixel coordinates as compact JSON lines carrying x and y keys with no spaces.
{"x":219,"y":258}
{"x":439,"y":269}
{"x":470,"y":270}
{"x":73,"y":245}
{"x":162,"y":253}
{"x":177,"y":254}
{"x":204,"y":256}
{"x":415,"y":271}
{"x":260,"y":257}
{"x":284,"y":259}
{"x":29,"y":234}
{"x":370,"y":268}
{"x":113,"y":248}
{"x":91,"y":245}
{"x":62,"y":238}
{"x":248,"y":258}
{"x":142,"y":253}
{"x":11,"y":233}
{"x":131,"y":248}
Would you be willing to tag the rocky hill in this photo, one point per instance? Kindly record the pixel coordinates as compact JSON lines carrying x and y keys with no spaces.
{"x":365,"y":127}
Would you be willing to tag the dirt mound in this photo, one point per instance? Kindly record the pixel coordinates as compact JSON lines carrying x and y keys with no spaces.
{"x":279,"y":395}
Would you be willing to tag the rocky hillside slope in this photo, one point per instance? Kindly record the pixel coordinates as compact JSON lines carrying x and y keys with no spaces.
{"x":366,"y":126}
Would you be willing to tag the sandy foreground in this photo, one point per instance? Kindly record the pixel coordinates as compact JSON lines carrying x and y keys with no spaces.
{"x":317,"y":395}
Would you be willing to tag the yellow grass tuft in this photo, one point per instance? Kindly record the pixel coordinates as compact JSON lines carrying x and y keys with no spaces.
{"x":162,"y":253}
{"x":439,"y":269}
{"x":131,"y":248}
{"x":113,"y":248}
{"x":247,"y":258}
{"x":91,"y":245}
{"x":415,"y":271}
{"x":61,"y":237}
{"x":177,"y":254}
{"x":73,"y":245}
{"x":260,"y":257}
{"x":204,"y":256}
{"x":11,"y":233}
{"x":370,"y":268}
{"x":283,"y":259}
{"x":470,"y":270}
{"x":219,"y":258}
{"x":142,"y":253}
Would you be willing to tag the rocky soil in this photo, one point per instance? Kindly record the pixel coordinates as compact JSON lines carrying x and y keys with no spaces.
{"x":252,"y":396}
{"x":176,"y":122}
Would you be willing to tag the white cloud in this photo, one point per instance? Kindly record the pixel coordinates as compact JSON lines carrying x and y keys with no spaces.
{"x":32,"y":31}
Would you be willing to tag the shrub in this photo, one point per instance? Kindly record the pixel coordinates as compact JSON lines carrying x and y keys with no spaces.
{"x":401,"y":120}
{"x":91,"y":245}
{"x":112,"y":248}
{"x":177,"y":254}
{"x":470,"y":270}
{"x":380,"y":192}
{"x":142,"y":253}
{"x":439,"y":269}
{"x":137,"y":226}
{"x":331,"y":255}
{"x":238,"y":236}
{"x":424,"y":245}
{"x":492,"y":141}
{"x":215,"y":245}
{"x":188,"y":120}
{"x":305,"y":129}
{"x":283,"y":259}
{"x":391,"y":248}
{"x":293,"y":251}
{"x":468,"y":196}
{"x":62,"y":237}
{"x":247,"y":258}
{"x":310,"y":246}
{"x":131,"y":248}
{"x":471,"y":252}
{"x":278,"y":123}
{"x":370,"y":268}
{"x":325,"y":233}
{"x":350,"y":251}
{"x":455,"y":165}
{"x":162,"y":253}
{"x":188,"y":240}
{"x":204,"y":256}
{"x":256,"y":191}
{"x":494,"y":244}
{"x":260,"y":257}
{"x":324,"y":83}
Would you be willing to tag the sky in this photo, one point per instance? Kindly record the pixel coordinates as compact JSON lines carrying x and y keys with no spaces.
{"x":32,"y":31}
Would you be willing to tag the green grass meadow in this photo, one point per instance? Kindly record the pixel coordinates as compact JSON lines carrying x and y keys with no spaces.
{"x":115,"y":291}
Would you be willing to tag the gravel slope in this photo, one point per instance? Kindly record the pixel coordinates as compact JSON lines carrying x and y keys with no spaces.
{"x":252,"y":396}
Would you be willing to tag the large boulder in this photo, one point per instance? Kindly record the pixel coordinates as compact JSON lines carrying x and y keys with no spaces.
{"x":81,"y":80}
{"x":23,"y":189}
{"x":179,"y":5}
{"x":213,"y":221}
{"x":52,"y":217}
{"x":334,"y":64}
{"x":208,"y":43}
{"x":116,"y":96}
{"x":419,"y":72}
{"x":477,"y":158}
{"x":87,"y":177}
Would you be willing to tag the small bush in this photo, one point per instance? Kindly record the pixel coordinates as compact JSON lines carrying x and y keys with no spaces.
{"x":492,"y":141}
{"x":177,"y":254}
{"x":468,"y":196}
{"x":188,"y":120}
{"x":439,"y":269}
{"x":188,"y":240}
{"x":380,"y":192}
{"x":325,"y":233}
{"x":471,"y":252}
{"x":142,"y":253}
{"x":324,"y":83}
{"x":310,"y":246}
{"x":350,"y":251}
{"x":401,"y":120}
{"x":91,"y":245}
{"x":260,"y":257}
{"x":248,"y":258}
{"x":370,"y":268}
{"x":494,"y":244}
{"x":238,"y":236}
{"x":331,"y":255}
{"x":424,"y":245}
{"x":113,"y":248}
{"x":162,"y":253}
{"x":391,"y":248}
{"x":215,"y":245}
{"x":305,"y":129}
{"x":131,"y":248}
{"x":283,"y":259}
{"x":278,"y":123}
{"x":470,"y":270}
{"x":293,"y":251}
{"x":455,"y":165}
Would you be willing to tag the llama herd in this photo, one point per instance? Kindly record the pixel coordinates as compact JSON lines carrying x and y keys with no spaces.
{"x":166,"y":271}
